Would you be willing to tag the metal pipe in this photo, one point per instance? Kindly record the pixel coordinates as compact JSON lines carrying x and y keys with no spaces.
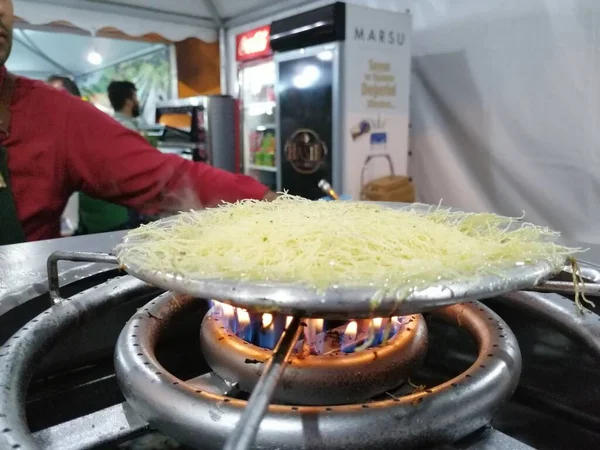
{"x":181,"y":410}
{"x":20,"y":356}
{"x":285,"y":7}
{"x":325,"y":186}
{"x":52,"y":267}
{"x":247,"y":427}
{"x":214,"y":12}
{"x":562,"y":313}
{"x":223,"y":61}
{"x":30,"y":45}
{"x":568,"y":288}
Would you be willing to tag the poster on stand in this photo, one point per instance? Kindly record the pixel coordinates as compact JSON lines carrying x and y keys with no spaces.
{"x":376,"y":92}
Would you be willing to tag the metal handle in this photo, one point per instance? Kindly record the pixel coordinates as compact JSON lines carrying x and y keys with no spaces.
{"x":52,"y":267}
{"x":247,"y":427}
{"x":567,"y":288}
{"x":368,"y":160}
{"x":560,"y":312}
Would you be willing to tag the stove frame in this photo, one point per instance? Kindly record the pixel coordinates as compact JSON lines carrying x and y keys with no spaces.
{"x":41,"y":332}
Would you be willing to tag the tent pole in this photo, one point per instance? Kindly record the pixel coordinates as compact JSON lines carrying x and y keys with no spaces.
{"x":223,"y":60}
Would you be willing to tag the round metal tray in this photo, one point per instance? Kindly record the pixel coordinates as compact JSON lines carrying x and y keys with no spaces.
{"x":341,"y":302}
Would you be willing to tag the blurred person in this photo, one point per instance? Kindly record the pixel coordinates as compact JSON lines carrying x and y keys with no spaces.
{"x":124,"y":101}
{"x":53,"y":144}
{"x":65,"y":84}
{"x":96,"y":216}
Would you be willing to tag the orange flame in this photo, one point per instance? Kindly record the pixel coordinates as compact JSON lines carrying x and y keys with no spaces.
{"x":243,"y":317}
{"x":288,"y":320}
{"x":227,"y":310}
{"x":318,"y":324}
{"x":377,"y":322}
{"x":351,"y":330}
{"x":267,"y":320}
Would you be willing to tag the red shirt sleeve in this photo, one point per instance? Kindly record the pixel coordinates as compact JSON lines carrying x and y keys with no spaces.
{"x":108,"y":161}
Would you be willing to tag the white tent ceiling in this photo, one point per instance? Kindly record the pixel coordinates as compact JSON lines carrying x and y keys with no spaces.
{"x":38,"y":54}
{"x":175,"y":19}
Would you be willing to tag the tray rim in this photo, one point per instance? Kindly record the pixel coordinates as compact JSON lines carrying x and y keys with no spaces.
{"x":340,"y":301}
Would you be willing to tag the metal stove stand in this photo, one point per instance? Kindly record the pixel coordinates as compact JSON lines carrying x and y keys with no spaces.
{"x":200,"y":412}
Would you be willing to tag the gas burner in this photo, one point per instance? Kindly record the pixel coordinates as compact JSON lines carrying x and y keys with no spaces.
{"x":328,"y":366}
{"x":204,"y":409}
{"x":202,"y":418}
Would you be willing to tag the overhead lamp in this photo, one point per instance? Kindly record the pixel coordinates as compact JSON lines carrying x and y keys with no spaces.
{"x":94,"y":58}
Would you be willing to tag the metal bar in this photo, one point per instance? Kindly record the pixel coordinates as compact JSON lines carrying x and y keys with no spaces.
{"x":174,"y":84}
{"x":214,"y":12}
{"x":487,"y":439}
{"x":224,"y":61}
{"x":24,"y":353}
{"x":567,"y":288}
{"x":52,"y":267}
{"x":114,"y":424}
{"x":37,"y":50}
{"x":247,"y":427}
{"x":273,"y":9}
{"x":108,"y":426}
{"x":42,"y":55}
{"x":560,"y":312}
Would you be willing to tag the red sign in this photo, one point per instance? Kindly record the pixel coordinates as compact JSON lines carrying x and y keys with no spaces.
{"x":253,"y":44}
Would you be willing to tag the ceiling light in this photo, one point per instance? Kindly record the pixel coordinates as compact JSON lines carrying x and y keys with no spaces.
{"x":94,"y":58}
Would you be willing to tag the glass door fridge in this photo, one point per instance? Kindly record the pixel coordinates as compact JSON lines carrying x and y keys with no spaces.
{"x":256,"y":83}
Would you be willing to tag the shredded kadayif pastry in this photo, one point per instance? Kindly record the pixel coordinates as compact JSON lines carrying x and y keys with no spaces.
{"x":323,"y":244}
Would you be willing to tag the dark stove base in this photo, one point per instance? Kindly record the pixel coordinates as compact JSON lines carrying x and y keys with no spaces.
{"x":539,"y":418}
{"x":555,"y":405}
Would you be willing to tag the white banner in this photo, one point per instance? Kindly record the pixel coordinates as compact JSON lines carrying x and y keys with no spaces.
{"x":376,"y":71}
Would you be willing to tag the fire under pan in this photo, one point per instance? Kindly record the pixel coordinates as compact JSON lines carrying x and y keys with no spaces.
{"x":318,"y":379}
{"x":204,"y":420}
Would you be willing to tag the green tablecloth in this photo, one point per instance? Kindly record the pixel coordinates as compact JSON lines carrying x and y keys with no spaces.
{"x":98,"y":216}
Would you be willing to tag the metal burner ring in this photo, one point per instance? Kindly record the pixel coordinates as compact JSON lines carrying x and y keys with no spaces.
{"x":431,"y":417}
{"x":22,"y":353}
{"x":332,"y":379}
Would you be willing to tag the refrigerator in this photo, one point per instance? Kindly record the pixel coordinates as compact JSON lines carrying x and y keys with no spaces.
{"x":342,"y":94}
{"x":256,"y":87}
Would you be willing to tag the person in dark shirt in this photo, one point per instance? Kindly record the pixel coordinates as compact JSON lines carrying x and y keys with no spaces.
{"x":124,"y":101}
{"x":64,"y":83}
{"x":97,"y":216}
{"x":53,"y":144}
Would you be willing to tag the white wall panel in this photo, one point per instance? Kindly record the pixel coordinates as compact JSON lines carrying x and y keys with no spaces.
{"x":506,"y":109}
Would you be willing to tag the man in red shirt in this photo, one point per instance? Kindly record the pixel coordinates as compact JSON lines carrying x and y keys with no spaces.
{"x":53,"y":144}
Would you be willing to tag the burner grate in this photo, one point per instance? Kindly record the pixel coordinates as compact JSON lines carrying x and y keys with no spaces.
{"x":198,"y":418}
